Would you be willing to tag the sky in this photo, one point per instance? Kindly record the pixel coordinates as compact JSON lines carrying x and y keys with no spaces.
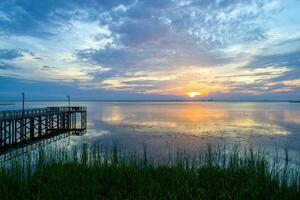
{"x":150,"y":49}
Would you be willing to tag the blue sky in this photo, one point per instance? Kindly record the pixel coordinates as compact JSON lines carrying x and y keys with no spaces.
{"x":134,"y":49}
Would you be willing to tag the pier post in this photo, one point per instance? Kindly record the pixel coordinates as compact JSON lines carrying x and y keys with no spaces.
{"x":31,"y":128}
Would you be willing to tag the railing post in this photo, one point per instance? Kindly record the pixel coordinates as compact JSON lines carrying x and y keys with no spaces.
{"x":31,"y":125}
{"x":39,"y":126}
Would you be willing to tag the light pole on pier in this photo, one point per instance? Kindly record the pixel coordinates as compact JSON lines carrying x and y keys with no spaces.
{"x":69,"y":100}
{"x":23,"y":102}
{"x":23,"y":113}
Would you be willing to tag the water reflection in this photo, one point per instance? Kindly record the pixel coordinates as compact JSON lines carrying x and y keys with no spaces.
{"x":59,"y":140}
{"x":195,"y":118}
{"x":166,"y":126}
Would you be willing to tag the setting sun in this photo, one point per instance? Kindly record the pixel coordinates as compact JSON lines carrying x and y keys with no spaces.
{"x":193,"y":94}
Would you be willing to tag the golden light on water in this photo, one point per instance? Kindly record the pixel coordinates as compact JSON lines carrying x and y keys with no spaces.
{"x":193,"y":94}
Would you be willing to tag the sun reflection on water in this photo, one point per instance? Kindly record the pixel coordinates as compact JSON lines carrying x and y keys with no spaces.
{"x":194,"y":118}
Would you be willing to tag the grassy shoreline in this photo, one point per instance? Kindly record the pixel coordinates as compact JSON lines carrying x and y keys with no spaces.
{"x":95,"y":173}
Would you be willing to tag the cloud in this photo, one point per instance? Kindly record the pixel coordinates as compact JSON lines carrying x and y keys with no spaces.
{"x":6,"y":66}
{"x":165,"y":47}
{"x":46,"y":68}
{"x":10,"y":54}
{"x":289,"y":60}
{"x":42,"y":18}
{"x":169,"y":35}
{"x":11,"y":88}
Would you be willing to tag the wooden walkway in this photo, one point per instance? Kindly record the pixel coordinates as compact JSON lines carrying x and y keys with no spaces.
{"x":21,"y":127}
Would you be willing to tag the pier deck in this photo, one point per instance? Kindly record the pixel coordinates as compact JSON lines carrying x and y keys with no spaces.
{"x":21,"y":127}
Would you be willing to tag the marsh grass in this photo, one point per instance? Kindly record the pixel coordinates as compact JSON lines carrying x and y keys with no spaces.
{"x":97,"y":173}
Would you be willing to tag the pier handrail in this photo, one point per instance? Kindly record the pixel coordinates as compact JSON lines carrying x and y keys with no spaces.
{"x":8,"y":114}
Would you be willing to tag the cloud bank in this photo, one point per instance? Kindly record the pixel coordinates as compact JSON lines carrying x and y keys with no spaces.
{"x":226,"y":49}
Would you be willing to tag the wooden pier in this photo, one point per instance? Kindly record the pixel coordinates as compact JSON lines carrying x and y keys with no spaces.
{"x":21,"y":127}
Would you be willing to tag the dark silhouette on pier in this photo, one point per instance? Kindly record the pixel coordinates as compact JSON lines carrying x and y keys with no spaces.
{"x":22,"y":127}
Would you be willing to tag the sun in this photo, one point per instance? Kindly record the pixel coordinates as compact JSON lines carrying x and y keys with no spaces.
{"x":193,"y":94}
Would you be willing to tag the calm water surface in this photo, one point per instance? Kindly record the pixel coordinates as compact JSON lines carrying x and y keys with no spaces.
{"x":168,"y":126}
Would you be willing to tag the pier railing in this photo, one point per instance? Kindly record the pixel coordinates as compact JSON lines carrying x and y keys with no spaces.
{"x":12,"y":114}
{"x":19,"y":127}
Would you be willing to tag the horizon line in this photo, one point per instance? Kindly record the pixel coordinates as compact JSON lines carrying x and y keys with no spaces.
{"x":148,"y":100}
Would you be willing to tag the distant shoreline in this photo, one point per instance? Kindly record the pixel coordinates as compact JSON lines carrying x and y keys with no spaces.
{"x":5,"y":103}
